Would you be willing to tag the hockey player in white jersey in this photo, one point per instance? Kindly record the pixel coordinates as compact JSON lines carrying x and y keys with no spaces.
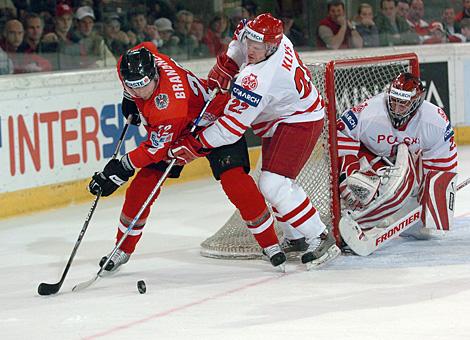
{"x":273,"y":94}
{"x":398,"y":163}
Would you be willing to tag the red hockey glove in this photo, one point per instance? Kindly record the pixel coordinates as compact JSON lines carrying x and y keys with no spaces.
{"x":222,"y":73}
{"x":186,"y":150}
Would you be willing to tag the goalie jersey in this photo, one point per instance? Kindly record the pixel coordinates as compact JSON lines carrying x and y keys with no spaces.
{"x":429,"y":132}
{"x":276,"y":90}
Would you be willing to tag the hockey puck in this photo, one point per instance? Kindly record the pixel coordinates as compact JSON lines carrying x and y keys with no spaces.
{"x":141,"y":287}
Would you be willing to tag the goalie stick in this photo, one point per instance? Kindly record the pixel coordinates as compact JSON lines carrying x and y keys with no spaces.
{"x":85,"y":284}
{"x":52,"y":288}
{"x":365,"y":242}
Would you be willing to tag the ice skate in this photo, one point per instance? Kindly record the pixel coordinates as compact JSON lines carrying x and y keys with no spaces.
{"x":276,"y":256}
{"x":118,"y":259}
{"x":294,"y":247}
{"x":321,"y":250}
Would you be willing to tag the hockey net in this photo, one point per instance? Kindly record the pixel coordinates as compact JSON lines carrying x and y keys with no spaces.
{"x":343,"y":84}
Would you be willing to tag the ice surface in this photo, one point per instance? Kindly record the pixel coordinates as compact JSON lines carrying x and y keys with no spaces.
{"x":408,"y":290}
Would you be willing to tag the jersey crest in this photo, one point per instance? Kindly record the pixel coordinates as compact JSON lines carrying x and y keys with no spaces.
{"x":161,"y":101}
{"x":250,"y":82}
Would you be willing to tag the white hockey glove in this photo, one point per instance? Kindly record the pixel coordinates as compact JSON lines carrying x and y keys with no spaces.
{"x":359,"y":189}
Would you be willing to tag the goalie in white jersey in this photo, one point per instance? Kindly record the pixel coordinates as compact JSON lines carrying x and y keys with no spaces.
{"x":397,"y":126}
{"x":274,"y":95}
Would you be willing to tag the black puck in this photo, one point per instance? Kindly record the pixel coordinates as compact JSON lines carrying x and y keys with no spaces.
{"x":141,"y":287}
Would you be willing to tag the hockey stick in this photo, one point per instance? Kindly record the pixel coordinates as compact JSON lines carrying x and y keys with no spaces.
{"x":52,"y":288}
{"x":364,"y":242}
{"x":88,"y":283}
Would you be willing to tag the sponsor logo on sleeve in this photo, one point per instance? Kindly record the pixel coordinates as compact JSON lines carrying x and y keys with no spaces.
{"x":160,"y":138}
{"x":350,"y":119}
{"x":247,"y":96}
{"x":449,"y":132}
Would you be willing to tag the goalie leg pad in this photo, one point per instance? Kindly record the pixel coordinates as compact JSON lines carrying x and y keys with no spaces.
{"x":438,"y":199}
{"x":397,"y":184}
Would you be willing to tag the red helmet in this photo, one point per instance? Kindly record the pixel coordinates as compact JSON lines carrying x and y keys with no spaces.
{"x":404,"y":96}
{"x":265,"y":28}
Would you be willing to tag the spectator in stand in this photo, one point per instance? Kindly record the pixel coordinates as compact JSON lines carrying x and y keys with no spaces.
{"x":250,"y":7}
{"x":159,"y":9}
{"x":13,"y":34}
{"x":336,"y":31}
{"x":403,"y":8}
{"x":117,"y":40}
{"x":197,"y":31}
{"x":31,"y":58}
{"x":34,"y":28}
{"x":93,"y":50}
{"x":140,"y":30}
{"x":416,"y":21}
{"x":291,"y":31}
{"x":216,"y":37}
{"x":61,"y":42}
{"x":168,"y":41}
{"x":235,"y":16}
{"x":437,"y":34}
{"x":448,"y":19}
{"x":393,"y":29}
{"x":6,"y":65}
{"x":465,"y":12}
{"x":465,"y":29}
{"x":366,"y":27}
{"x":7,"y":12}
{"x":187,"y":44}
{"x":22,"y":63}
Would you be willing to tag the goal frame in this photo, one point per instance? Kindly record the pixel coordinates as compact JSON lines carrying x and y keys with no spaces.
{"x":330,"y":107}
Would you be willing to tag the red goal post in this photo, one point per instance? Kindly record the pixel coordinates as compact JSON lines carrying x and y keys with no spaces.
{"x":343,"y":84}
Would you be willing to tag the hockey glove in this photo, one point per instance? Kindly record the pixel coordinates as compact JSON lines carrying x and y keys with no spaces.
{"x":359,"y":189}
{"x":130,"y":108}
{"x":115,"y":174}
{"x":222,"y":73}
{"x":187,"y":149}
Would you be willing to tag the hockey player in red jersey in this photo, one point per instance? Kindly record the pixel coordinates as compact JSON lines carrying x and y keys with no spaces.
{"x":397,"y":155}
{"x":274,"y":95}
{"x":166,"y":99}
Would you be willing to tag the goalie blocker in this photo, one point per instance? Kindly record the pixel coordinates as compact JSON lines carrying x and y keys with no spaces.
{"x":427,"y":214}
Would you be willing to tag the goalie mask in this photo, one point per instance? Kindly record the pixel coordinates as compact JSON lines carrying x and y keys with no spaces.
{"x":138,"y":68}
{"x":404,"y":96}
{"x":265,"y":29}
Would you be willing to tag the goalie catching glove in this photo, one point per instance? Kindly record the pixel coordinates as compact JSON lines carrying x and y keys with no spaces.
{"x":114,"y":174}
{"x":187,"y":149}
{"x":222,"y":73}
{"x":359,"y":189}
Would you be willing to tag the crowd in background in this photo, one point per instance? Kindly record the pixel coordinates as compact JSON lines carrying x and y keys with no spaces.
{"x":47,"y":35}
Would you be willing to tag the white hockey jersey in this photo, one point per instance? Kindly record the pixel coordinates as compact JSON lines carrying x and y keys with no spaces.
{"x":276,"y":90}
{"x":428,"y":132}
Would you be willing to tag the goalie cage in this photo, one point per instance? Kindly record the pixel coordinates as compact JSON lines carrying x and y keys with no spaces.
{"x":343,"y":84}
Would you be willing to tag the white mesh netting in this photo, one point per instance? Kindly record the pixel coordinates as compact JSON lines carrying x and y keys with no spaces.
{"x":354,"y":81}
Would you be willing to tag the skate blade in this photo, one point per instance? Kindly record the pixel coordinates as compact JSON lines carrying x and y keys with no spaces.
{"x":329,"y":256}
{"x":281,"y":268}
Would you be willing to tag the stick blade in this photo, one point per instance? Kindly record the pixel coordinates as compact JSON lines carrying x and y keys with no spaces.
{"x":48,"y":288}
{"x":85,"y":284}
